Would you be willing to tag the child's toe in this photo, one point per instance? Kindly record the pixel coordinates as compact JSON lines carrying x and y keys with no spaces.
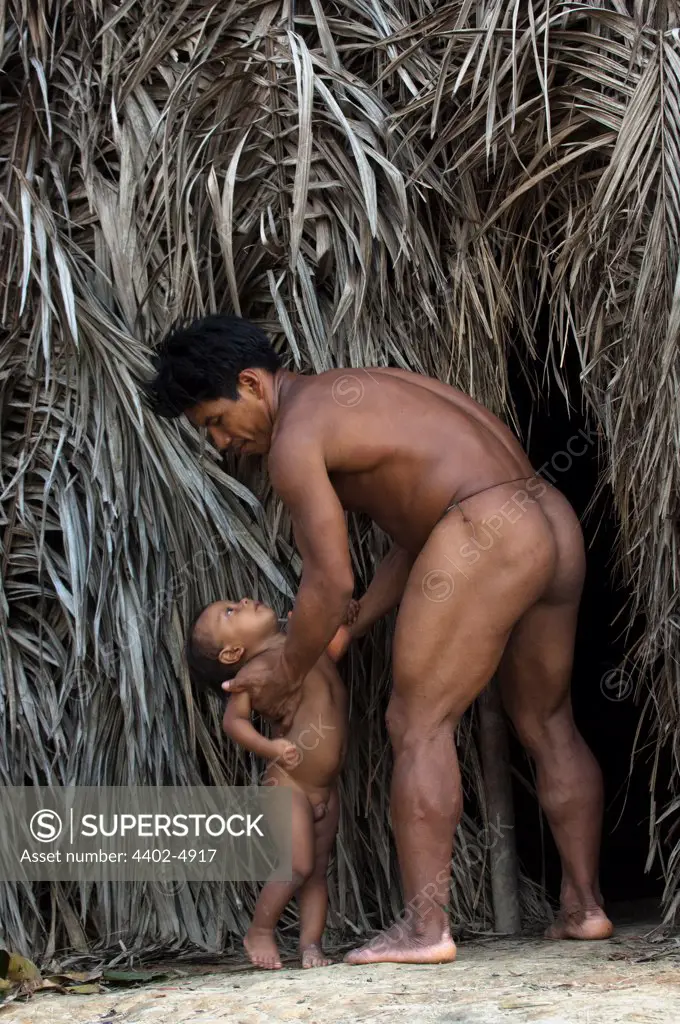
{"x":312,"y":956}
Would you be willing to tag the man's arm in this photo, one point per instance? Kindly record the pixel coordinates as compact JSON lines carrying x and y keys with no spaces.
{"x":383,"y":594}
{"x":237,"y":725}
{"x":299,"y":475}
{"x":384,"y":591}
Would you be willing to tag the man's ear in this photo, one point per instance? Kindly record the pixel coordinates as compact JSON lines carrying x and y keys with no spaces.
{"x":230,"y":655}
{"x":251,"y":381}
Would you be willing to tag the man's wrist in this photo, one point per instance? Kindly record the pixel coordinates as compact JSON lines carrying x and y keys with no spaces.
{"x":287,"y":669}
{"x":361,"y":624}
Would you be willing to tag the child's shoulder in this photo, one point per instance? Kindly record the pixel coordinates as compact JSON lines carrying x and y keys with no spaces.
{"x":324,"y":670}
{"x":266,"y":702}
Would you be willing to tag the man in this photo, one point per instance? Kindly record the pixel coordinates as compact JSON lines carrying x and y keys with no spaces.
{"x":487,"y":568}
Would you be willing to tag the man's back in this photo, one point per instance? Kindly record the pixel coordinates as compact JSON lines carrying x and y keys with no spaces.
{"x":395,"y":445}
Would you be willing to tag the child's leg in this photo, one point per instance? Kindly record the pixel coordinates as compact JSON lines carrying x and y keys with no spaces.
{"x":313,"y":896}
{"x":259,"y":940}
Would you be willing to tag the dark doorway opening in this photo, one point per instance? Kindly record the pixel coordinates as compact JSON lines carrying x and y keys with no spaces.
{"x":604,"y":706}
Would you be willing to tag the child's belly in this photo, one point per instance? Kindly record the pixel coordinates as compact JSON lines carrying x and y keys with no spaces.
{"x":322,"y":748}
{"x":318,"y":796}
{"x":319,"y":731}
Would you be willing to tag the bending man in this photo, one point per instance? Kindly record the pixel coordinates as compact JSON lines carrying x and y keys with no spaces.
{"x":487,"y":567}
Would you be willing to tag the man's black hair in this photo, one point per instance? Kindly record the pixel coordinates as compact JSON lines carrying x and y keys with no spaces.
{"x":205,"y":669}
{"x":203,"y":360}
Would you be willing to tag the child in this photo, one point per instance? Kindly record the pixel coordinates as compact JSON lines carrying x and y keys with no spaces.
{"x":307,"y":759}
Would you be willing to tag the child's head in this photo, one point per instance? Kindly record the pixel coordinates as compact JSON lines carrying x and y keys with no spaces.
{"x":224,"y":636}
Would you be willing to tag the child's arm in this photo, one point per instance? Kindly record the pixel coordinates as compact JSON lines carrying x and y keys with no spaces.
{"x":237,"y":725}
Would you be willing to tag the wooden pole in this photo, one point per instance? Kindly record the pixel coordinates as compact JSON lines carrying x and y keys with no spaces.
{"x":501,"y":812}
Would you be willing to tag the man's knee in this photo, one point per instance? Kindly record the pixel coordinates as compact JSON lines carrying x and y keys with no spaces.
{"x":403,"y":726}
{"x":539,"y":734}
{"x":409,"y":729}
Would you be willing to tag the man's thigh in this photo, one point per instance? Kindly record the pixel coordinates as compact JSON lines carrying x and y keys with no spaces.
{"x":535,"y":670}
{"x":455,"y":619}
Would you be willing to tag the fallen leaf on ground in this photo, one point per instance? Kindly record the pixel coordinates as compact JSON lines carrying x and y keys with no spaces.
{"x":72,"y":977}
{"x":129,"y":977}
{"x":21,"y":971}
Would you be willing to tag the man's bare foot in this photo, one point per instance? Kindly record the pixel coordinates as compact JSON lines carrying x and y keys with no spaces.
{"x":261,"y":949}
{"x":312,"y":956}
{"x":397,"y":946}
{"x":587,"y":925}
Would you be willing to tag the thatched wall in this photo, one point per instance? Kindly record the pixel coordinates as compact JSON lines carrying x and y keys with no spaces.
{"x":409,"y":184}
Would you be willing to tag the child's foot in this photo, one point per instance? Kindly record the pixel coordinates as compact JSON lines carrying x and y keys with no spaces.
{"x":312,"y":956}
{"x":261,"y":949}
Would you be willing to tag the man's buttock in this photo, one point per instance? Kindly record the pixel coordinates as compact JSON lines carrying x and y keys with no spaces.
{"x":498,"y":527}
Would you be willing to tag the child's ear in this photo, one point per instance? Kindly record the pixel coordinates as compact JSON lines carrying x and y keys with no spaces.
{"x":230,"y":655}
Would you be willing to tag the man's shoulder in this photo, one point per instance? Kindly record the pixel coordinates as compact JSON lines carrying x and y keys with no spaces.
{"x":312,"y":389}
{"x":302,"y":416}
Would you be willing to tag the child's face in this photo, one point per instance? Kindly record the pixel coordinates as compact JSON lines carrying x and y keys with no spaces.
{"x":237,"y":627}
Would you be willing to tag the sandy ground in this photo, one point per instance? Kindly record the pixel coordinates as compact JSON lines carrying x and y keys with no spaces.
{"x":493,"y":981}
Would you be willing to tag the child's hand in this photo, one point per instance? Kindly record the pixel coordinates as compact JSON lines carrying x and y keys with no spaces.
{"x":339,"y":644}
{"x":286,"y":753}
{"x":344,"y":636}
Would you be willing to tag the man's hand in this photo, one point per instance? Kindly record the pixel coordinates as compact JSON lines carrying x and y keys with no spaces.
{"x":351,"y":614}
{"x":269,"y":684}
{"x":286,"y":753}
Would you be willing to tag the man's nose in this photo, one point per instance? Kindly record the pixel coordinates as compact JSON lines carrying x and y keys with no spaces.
{"x":219,"y":438}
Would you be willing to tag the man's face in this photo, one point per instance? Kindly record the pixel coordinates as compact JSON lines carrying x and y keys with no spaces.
{"x":238,"y":626}
{"x":243,"y":425}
